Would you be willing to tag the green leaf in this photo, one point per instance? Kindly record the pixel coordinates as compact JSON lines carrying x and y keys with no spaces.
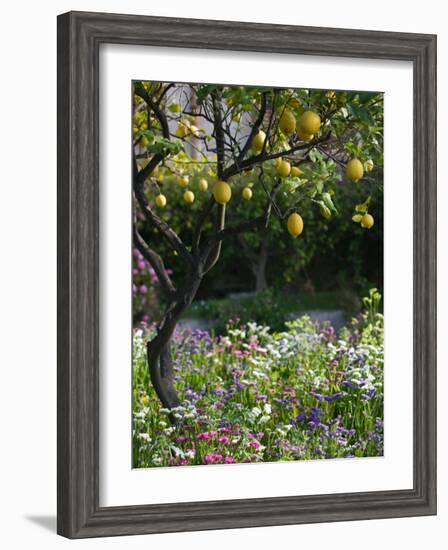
{"x":174,"y":108}
{"x":328,"y":201}
{"x":163,"y":146}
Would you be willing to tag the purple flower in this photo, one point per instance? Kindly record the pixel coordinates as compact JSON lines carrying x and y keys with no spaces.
{"x":334,"y":396}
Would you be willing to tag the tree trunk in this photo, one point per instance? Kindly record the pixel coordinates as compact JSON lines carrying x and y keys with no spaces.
{"x":158,"y":349}
{"x":260,"y":270}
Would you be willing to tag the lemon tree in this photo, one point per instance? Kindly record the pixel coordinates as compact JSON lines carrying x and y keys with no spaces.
{"x":210,"y":147}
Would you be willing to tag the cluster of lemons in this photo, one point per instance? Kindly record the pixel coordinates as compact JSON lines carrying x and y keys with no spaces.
{"x":355,"y":172}
{"x":306,"y":127}
{"x":189,"y":197}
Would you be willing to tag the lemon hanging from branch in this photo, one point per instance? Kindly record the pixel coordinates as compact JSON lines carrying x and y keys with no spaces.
{"x":367,"y":221}
{"x":283,"y":169}
{"x":203,"y":185}
{"x":222,"y":192}
{"x":189,"y":197}
{"x":247,"y":193}
{"x":161,"y":201}
{"x":184,"y":181}
{"x":309,"y":124}
{"x":296,"y":172}
{"x":295,"y":225}
{"x":258,"y":141}
{"x":287,"y":122}
{"x":354,"y":170}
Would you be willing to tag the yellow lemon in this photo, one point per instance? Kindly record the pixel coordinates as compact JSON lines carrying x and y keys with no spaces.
{"x":189,"y":197}
{"x":184,"y":181}
{"x":161,"y":201}
{"x":258,"y":141}
{"x":367,"y":221}
{"x":284,"y":169}
{"x":287,"y":122}
{"x":203,"y":184}
{"x":304,"y":136}
{"x":144,"y":141}
{"x":354,"y":170}
{"x":296,"y":172}
{"x":247,"y":193}
{"x":295,"y":224}
{"x":222,"y":192}
{"x":309,"y":123}
{"x":369,"y":165}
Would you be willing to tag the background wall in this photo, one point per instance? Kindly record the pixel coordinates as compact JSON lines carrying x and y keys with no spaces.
{"x":28,"y":272}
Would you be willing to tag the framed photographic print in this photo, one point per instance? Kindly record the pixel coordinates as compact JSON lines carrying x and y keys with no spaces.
{"x":246,"y":274}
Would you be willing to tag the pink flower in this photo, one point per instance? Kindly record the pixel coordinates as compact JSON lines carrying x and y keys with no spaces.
{"x":253,"y":342}
{"x":255,"y":444}
{"x":225,"y":430}
{"x":180,"y":439}
{"x":143,"y":289}
{"x":229,"y":460}
{"x":141,"y":265}
{"x":223,"y":439}
{"x":213,"y":434}
{"x":213,"y":458}
{"x":203,"y":435}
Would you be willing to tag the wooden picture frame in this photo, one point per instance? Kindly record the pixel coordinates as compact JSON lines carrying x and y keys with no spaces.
{"x":79,"y":38}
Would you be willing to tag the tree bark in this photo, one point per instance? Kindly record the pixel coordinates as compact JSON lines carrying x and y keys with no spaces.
{"x":260,"y":274}
{"x":158,"y":349}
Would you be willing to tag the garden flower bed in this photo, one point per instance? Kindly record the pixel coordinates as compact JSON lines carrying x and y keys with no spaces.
{"x":253,"y":395}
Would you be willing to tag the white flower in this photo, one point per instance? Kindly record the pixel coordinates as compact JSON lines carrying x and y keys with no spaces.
{"x":267,"y":408}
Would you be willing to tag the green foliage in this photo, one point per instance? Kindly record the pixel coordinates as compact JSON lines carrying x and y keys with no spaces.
{"x":332,"y":252}
{"x":254,"y":395}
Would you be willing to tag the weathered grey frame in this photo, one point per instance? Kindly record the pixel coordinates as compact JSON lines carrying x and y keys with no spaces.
{"x":79,"y":38}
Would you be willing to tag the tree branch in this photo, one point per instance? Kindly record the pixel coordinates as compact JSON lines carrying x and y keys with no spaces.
{"x":208,"y":207}
{"x":222,"y":232}
{"x":158,"y":112}
{"x":219,"y":134}
{"x":155,"y":261}
{"x":169,"y":234}
{"x":215,"y":250}
{"x":254,"y":129}
{"x":258,"y":159}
